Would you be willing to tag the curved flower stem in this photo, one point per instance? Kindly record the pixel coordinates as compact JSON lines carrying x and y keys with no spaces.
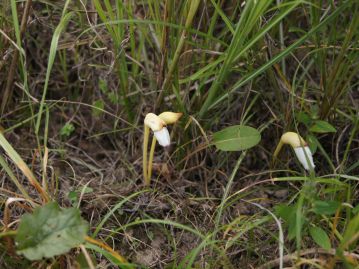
{"x":275,"y":154}
{"x":278,"y":148}
{"x":150,"y":161}
{"x":144,"y":158}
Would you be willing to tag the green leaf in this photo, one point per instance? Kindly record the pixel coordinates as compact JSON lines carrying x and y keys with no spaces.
{"x":351,"y":232}
{"x":102,"y":84}
{"x":238,"y":137}
{"x":49,"y":231}
{"x":303,"y":117}
{"x":321,"y":126}
{"x":113,"y":98}
{"x":355,"y":210}
{"x":86,"y":190}
{"x":97,"y":108}
{"x":325,"y":207}
{"x":67,"y":129}
{"x":313,"y":143}
{"x":289,"y":214}
{"x":52,"y":55}
{"x":72,"y":195}
{"x":286,"y":212}
{"x":320,"y":237}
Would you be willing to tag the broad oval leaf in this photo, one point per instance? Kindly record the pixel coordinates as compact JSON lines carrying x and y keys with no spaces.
{"x":320,"y":237}
{"x":321,"y":126}
{"x":49,"y":231}
{"x":303,"y":117}
{"x":313,"y":143}
{"x":325,"y":207}
{"x":238,"y":137}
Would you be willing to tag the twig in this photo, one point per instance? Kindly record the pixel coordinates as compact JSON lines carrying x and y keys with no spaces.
{"x":10,"y":79}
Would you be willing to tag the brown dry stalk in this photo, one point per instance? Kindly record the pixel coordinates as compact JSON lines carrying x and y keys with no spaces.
{"x":106,"y":247}
{"x":10,"y":79}
{"x":15,"y":157}
{"x":7,"y":215}
{"x":8,"y":240}
{"x":30,"y":176}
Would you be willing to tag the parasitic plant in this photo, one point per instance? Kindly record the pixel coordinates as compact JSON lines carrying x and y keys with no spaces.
{"x":160,"y":133}
{"x":300,"y":147}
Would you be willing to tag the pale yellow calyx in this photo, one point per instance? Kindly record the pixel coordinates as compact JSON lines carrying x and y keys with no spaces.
{"x":293,"y":139}
{"x":154,"y":122}
{"x":170,"y":117}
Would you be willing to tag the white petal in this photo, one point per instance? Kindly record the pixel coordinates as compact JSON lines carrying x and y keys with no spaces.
{"x":163,"y":137}
{"x":302,"y":154}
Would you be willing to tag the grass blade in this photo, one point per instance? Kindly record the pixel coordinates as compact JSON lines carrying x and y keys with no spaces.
{"x":53,"y":48}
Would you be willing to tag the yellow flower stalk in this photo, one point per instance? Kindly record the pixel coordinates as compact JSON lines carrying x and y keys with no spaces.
{"x":158,"y":125}
{"x":300,"y":147}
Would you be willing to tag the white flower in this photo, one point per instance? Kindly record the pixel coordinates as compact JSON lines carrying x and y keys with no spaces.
{"x":300,"y":147}
{"x":163,"y":137}
{"x":158,"y":126}
{"x":305,"y":157}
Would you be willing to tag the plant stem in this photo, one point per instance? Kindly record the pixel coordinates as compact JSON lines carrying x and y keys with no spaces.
{"x":8,"y":233}
{"x":144,"y":158}
{"x":150,"y":161}
{"x":278,"y":148}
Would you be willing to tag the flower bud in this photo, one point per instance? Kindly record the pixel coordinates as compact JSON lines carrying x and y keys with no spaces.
{"x":170,"y":117}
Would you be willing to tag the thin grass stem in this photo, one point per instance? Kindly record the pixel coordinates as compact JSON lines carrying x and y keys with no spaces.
{"x":226,"y":192}
{"x":192,"y":12}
